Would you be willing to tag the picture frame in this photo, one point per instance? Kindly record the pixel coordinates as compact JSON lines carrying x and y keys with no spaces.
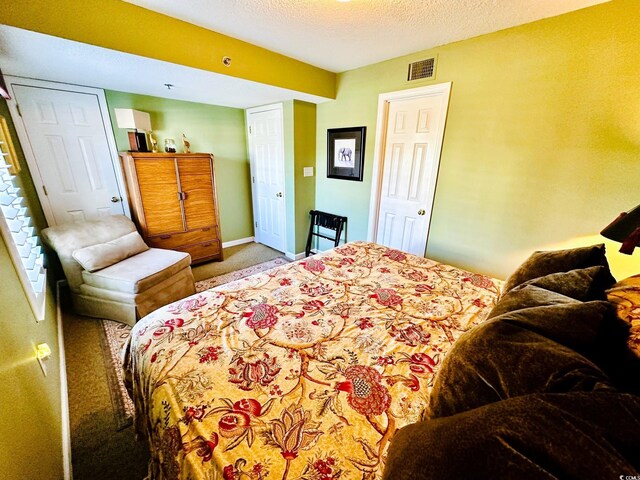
{"x":345,"y":153}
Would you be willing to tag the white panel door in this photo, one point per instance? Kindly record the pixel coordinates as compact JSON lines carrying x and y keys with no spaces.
{"x":69,"y":142}
{"x":411,"y":157}
{"x":266,"y":151}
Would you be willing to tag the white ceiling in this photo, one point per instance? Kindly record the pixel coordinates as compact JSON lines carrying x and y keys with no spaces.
{"x":334,"y":35}
{"x":34,"y":55}
{"x":338,"y":35}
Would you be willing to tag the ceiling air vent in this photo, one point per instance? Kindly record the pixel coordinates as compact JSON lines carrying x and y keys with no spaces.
{"x":421,"y":69}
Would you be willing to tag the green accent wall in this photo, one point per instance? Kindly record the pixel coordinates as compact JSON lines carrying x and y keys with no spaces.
{"x":299,"y":120}
{"x":542,"y":142}
{"x":304,"y":117}
{"x":211,"y":129}
{"x":125,"y":27}
{"x":30,"y":417}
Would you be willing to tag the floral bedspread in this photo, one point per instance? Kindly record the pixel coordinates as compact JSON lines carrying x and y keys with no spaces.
{"x":301,"y":372}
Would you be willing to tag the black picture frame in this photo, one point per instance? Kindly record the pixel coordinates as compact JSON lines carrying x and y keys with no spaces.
{"x":345,"y":153}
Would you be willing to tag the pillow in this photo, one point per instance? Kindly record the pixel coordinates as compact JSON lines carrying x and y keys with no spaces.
{"x":543,"y":263}
{"x":533,"y":350}
{"x":528,"y":296}
{"x":102,"y":255}
{"x":582,"y":284}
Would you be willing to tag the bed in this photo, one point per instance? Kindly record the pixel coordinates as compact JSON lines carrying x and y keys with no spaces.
{"x":305,"y":371}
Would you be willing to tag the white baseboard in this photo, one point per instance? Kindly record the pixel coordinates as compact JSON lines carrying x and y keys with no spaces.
{"x":239,"y":241}
{"x":297,"y":256}
{"x":64,"y":393}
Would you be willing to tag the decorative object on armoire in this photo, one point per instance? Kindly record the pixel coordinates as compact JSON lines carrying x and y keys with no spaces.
{"x":625,"y":229}
{"x":136,"y":120}
{"x":153,"y":142}
{"x":170,"y":145}
{"x":345,"y":153}
{"x":186,"y":144}
{"x":174,"y":203}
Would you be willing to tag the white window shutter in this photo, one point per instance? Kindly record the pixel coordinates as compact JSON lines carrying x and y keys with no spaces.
{"x":21,"y":240}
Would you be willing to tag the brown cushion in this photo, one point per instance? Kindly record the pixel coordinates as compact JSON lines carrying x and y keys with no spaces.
{"x":543,"y":263}
{"x":528,"y":296}
{"x":532,"y":350}
{"x":541,"y":436}
{"x":582,"y":284}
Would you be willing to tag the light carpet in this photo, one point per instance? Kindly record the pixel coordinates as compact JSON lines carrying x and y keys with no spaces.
{"x":115,"y":335}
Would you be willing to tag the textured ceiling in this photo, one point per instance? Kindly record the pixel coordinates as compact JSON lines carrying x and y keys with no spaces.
{"x":340,"y":36}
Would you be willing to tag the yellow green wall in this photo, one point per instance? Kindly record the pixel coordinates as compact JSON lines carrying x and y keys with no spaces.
{"x":542,"y":143}
{"x":299,"y":120}
{"x":211,"y":129}
{"x":125,"y":27}
{"x":30,"y":417}
{"x":304,"y":115}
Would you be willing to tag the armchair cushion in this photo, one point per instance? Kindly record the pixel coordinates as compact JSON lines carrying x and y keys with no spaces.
{"x":140,"y":272}
{"x":69,"y":237}
{"x":102,"y":255}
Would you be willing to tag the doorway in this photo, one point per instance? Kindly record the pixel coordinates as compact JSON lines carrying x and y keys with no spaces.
{"x":69,"y":145}
{"x":266,"y":153}
{"x":410,"y":130}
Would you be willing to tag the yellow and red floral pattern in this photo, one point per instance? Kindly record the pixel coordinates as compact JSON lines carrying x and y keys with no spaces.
{"x":302,"y":372}
{"x":625,"y":295}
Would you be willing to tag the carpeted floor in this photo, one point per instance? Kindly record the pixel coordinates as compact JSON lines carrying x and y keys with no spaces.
{"x":235,"y":258}
{"x":99,"y":451}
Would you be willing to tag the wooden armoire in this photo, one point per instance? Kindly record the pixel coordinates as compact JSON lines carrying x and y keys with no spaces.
{"x":173,"y":201}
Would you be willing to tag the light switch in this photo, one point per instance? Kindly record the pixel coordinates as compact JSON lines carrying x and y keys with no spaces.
{"x":308,"y":171}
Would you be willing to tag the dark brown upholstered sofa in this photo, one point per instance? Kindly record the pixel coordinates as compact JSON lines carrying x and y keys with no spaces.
{"x":545,"y":388}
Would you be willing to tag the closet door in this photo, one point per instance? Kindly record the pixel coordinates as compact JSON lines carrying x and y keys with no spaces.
{"x":160,"y":195}
{"x":196,"y":181}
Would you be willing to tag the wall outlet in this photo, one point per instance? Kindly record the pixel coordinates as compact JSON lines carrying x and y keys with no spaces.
{"x":308,"y":171}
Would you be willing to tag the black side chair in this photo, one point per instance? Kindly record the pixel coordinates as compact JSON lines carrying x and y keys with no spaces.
{"x":325,"y":220}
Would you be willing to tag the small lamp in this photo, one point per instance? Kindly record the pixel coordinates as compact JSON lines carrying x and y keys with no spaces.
{"x":137,"y":120}
{"x":625,"y":229}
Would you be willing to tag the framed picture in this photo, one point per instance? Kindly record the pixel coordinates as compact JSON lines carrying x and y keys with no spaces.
{"x":345,"y":153}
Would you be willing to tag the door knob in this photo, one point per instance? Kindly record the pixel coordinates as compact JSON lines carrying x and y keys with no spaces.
{"x":115,"y":199}
{"x":279,"y":194}
{"x":421,"y":212}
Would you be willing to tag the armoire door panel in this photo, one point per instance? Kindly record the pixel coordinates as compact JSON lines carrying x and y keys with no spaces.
{"x":159,"y":194}
{"x":196,"y":184}
{"x":174,"y":202}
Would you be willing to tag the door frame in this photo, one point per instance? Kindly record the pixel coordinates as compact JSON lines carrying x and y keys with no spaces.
{"x":384,"y":99}
{"x":30,"y":156}
{"x":252,"y":168}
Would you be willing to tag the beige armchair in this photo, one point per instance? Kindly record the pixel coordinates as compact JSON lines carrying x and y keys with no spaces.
{"x":113,"y":274}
